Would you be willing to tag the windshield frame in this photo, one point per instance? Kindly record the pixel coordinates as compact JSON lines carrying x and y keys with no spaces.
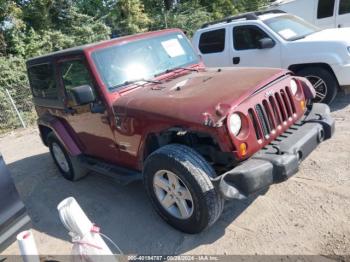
{"x":295,"y":18}
{"x":195,"y":61}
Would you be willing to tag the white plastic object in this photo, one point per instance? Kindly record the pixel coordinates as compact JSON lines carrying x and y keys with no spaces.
{"x":27,"y":246}
{"x":87,"y":243}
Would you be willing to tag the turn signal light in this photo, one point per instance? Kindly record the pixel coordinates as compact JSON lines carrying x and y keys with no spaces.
{"x":302,"y":104}
{"x":243,"y":149}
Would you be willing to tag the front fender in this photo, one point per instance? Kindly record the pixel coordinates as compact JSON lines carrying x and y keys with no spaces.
{"x":308,"y":89}
{"x":300,"y":53}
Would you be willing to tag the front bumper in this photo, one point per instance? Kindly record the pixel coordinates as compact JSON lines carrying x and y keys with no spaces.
{"x":280,"y":159}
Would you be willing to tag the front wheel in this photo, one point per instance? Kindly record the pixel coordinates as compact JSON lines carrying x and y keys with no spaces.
{"x":323,"y":81}
{"x":177,"y":181}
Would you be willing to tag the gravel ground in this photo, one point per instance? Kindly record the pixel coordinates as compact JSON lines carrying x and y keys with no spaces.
{"x":308,"y":214}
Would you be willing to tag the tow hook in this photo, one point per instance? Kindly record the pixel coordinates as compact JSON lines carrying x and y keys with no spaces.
{"x":320,"y":117}
{"x":321,"y":136}
{"x":278,"y":150}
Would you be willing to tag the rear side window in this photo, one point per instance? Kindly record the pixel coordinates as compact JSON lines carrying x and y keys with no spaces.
{"x":212,"y":41}
{"x":325,"y":8}
{"x":344,"y":7}
{"x":42,"y":81}
{"x":247,"y":37}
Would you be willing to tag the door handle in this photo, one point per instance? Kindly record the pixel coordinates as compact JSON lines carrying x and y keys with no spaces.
{"x":236,"y":60}
{"x":340,"y":26}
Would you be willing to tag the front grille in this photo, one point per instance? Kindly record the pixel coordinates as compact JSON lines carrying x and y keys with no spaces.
{"x":263,"y":119}
{"x":272,"y":112}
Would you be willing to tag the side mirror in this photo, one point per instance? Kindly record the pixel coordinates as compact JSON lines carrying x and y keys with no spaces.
{"x":266,"y":43}
{"x":83,"y":95}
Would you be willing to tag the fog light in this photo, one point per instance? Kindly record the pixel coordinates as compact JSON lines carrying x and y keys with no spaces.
{"x":243,"y":149}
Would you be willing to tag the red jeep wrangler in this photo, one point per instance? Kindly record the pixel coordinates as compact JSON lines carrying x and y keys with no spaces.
{"x":145,"y":107}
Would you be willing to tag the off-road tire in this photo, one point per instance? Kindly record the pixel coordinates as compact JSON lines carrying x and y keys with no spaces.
{"x":326,"y":76}
{"x":76,"y":171}
{"x":194,"y":171}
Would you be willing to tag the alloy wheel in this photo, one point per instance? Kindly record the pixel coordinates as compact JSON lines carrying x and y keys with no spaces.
{"x":173,"y":194}
{"x":320,"y":86}
{"x":60,"y":157}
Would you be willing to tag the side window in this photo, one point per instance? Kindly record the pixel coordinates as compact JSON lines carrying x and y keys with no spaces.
{"x":247,"y":37}
{"x":325,"y":8}
{"x":42,"y":81}
{"x":74,"y":73}
{"x":344,"y":7}
{"x":212,"y":41}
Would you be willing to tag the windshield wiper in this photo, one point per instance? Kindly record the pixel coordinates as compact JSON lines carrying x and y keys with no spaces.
{"x":129,"y":82}
{"x":177,"y":68}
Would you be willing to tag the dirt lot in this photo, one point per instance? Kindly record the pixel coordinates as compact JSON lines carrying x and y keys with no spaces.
{"x":308,"y":214}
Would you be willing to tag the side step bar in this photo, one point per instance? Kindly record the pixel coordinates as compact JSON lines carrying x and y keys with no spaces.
{"x":121,"y":175}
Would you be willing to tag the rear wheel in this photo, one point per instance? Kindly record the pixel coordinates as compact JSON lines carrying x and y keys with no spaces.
{"x":323,"y":81}
{"x":177,"y":181}
{"x":68,"y":165}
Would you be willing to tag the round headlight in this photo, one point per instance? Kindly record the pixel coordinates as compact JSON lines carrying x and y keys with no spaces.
{"x":235,"y":124}
{"x":294,"y":86}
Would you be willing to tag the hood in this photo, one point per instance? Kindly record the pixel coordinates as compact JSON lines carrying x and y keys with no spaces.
{"x":199,"y":95}
{"x":330,"y":35}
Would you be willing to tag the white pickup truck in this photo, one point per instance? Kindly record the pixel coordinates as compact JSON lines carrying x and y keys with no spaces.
{"x":277,"y":39}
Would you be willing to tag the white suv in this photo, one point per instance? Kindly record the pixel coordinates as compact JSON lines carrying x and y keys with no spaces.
{"x":277,"y":39}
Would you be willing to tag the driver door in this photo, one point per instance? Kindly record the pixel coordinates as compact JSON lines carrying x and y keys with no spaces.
{"x":245,"y":51}
{"x":92,"y":129}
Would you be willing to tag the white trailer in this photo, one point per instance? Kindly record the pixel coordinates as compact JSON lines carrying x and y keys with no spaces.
{"x":323,"y":13}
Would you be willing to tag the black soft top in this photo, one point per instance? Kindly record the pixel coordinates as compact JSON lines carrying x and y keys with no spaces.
{"x":51,"y":56}
{"x":79,"y":50}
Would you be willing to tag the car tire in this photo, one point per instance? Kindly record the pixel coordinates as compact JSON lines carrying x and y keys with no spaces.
{"x":69,"y":166}
{"x":201,"y":203}
{"x":327,"y":84}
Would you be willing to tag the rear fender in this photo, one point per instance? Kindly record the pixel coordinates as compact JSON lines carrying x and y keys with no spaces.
{"x":61,"y":132}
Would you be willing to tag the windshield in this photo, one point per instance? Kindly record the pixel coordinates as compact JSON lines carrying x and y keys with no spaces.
{"x":143,"y":59}
{"x":290,"y":27}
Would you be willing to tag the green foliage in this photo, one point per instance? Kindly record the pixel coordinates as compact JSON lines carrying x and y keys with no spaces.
{"x":13,"y":77}
{"x":129,"y":17}
{"x":95,"y":8}
{"x":13,"y":73}
{"x":251,"y":5}
{"x":219,"y":8}
{"x":187,"y":16}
